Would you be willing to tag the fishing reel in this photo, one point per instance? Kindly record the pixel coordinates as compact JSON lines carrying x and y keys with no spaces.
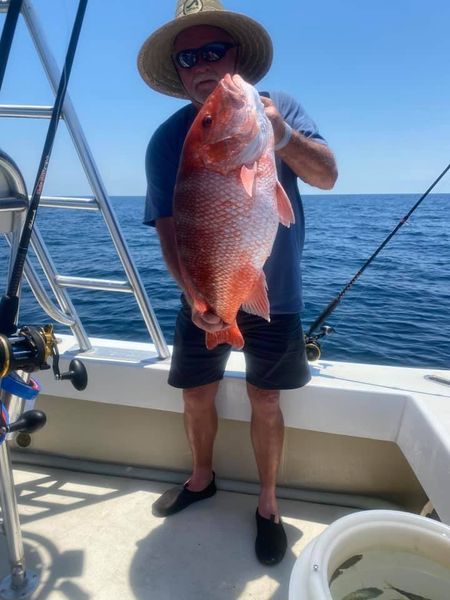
{"x":312,"y":345}
{"x":30,"y":348}
{"x":29,"y":422}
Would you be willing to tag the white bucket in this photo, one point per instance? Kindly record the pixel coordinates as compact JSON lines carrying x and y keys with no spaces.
{"x":375,"y":554}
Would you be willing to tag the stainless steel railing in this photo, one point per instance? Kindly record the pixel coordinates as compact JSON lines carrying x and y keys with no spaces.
{"x":100,"y":202}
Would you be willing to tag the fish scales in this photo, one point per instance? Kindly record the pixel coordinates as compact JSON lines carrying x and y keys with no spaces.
{"x":222,"y":233}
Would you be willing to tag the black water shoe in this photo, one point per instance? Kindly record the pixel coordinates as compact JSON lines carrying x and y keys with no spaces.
{"x":271,"y":540}
{"x":180,"y":497}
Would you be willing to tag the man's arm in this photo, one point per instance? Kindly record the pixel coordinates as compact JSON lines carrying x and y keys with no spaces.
{"x":310,"y":160}
{"x":166,"y":232}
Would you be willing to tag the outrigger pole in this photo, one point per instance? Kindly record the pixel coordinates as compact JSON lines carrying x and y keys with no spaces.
{"x":312,"y":346}
{"x":10,"y":302}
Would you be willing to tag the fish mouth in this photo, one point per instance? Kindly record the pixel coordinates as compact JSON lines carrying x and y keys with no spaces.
{"x":242,"y":93}
{"x":234,"y":86}
{"x":235,"y":82}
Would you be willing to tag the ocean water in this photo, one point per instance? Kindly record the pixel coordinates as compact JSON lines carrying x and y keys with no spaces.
{"x":397,"y":313}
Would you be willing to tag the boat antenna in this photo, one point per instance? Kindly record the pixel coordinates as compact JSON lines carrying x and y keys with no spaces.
{"x":312,"y":345}
{"x":9,"y":303}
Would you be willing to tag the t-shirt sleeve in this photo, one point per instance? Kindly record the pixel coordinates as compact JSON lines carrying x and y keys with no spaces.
{"x":295,"y":115}
{"x":161,"y":164}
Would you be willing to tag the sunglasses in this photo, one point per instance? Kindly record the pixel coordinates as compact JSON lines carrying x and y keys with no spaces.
{"x":212,"y":52}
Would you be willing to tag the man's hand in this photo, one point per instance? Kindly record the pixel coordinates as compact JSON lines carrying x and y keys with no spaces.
{"x":208,"y":321}
{"x":310,"y":160}
{"x":274,"y":117}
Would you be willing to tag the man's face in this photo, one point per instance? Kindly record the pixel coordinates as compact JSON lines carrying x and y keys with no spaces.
{"x":201,"y":79}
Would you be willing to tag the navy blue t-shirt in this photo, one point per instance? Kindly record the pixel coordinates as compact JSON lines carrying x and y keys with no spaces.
{"x":282,"y":268}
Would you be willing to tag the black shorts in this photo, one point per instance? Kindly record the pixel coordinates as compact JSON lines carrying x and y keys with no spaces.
{"x":274,"y":353}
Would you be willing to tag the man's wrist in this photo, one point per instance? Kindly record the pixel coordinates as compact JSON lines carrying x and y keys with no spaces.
{"x":285,"y":139}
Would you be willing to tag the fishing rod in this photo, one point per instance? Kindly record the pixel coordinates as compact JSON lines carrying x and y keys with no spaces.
{"x":313,"y":350}
{"x":9,"y":303}
{"x":9,"y":29}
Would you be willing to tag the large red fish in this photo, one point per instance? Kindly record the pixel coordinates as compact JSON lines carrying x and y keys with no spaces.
{"x":227,"y":206}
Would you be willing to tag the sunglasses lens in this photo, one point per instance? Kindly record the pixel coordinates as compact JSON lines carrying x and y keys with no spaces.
{"x":214,"y":52}
{"x":186,"y":58}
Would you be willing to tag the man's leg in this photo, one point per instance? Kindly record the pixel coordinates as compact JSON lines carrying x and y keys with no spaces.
{"x":276,"y":360}
{"x":267,"y":433}
{"x":200,"y":420}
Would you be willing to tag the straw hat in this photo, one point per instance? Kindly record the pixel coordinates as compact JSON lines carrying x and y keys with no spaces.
{"x":155,"y":62}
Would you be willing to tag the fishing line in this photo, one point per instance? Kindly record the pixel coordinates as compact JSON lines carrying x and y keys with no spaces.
{"x":312,"y":345}
{"x":9,"y":303}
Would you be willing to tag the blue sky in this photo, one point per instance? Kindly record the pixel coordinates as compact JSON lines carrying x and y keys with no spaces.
{"x":375,"y":76}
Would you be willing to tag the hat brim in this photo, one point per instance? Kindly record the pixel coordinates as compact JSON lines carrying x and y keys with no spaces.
{"x":155,"y":63}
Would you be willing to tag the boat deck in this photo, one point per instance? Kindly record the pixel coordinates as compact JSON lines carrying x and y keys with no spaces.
{"x":94,"y":536}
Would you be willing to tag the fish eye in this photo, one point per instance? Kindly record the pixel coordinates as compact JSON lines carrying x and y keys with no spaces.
{"x":207,"y":120}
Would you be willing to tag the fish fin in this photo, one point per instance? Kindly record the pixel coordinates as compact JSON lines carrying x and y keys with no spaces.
{"x":248,"y":178}
{"x":285,"y":212}
{"x":199,"y":305}
{"x":232,"y":335}
{"x":258,"y":302}
{"x":196,"y":301}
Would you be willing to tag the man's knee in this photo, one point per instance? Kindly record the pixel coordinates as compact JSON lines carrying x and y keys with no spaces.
{"x":200,"y":398}
{"x":265,"y":402}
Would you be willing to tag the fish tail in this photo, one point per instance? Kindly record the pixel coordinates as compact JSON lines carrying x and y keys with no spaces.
{"x":232,"y":335}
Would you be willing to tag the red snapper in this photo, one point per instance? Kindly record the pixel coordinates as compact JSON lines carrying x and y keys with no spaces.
{"x":228,"y":203}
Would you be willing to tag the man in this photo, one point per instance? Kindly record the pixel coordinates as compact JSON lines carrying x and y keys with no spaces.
{"x":187,"y":58}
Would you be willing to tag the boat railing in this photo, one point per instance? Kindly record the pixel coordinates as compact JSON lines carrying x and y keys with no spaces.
{"x":100,"y":201}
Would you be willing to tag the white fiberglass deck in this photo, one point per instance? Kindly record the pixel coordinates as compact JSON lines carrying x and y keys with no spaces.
{"x":94,"y":537}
